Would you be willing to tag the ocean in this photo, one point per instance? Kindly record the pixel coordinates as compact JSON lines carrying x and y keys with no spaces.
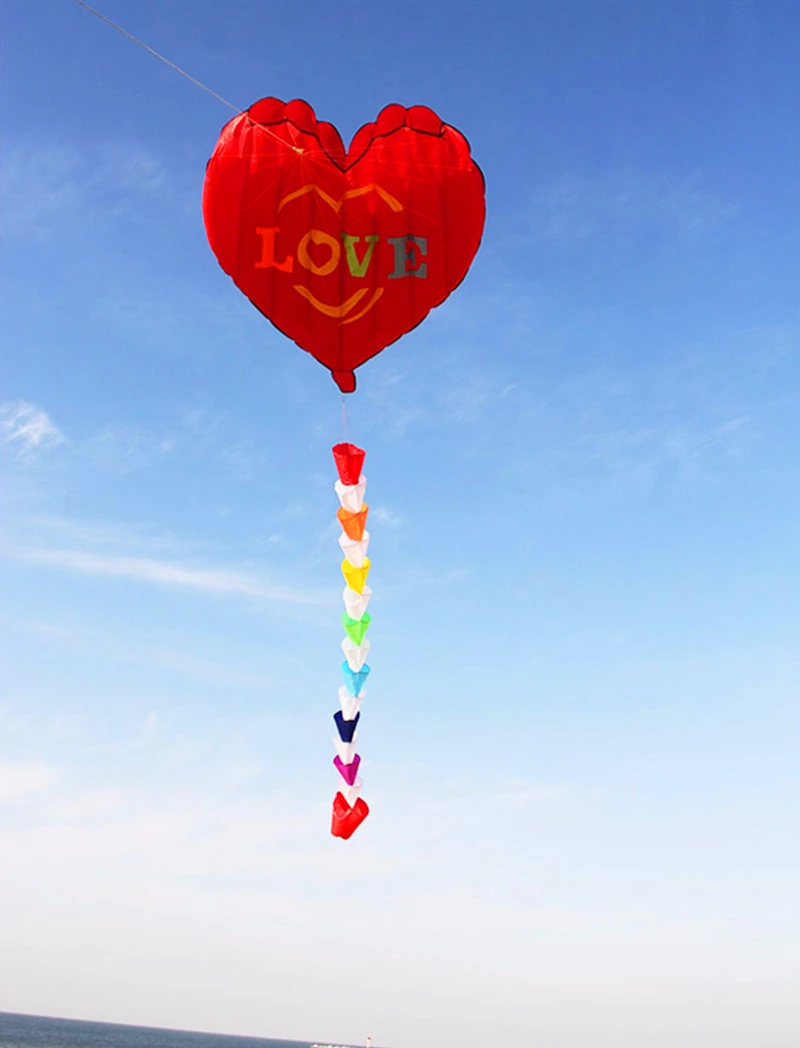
{"x":34,"y":1031}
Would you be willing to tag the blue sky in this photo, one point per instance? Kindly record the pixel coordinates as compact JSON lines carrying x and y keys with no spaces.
{"x":581,"y":732}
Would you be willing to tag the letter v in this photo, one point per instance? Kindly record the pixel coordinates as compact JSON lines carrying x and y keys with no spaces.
{"x":358,"y":269}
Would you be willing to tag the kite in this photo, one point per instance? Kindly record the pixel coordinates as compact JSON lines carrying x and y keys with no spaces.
{"x":344,"y":251}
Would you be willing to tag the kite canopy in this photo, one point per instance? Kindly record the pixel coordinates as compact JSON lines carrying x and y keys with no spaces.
{"x":343,"y":250}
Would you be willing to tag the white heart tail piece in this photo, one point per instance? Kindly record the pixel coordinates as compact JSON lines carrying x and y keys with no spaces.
{"x":349,"y":703}
{"x":350,"y":793}
{"x":356,"y":603}
{"x":355,"y":552}
{"x":351,"y":496}
{"x":356,"y":654}
{"x":346,"y":750}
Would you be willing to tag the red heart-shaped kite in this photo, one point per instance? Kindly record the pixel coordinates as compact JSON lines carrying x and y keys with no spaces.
{"x":344,"y":251}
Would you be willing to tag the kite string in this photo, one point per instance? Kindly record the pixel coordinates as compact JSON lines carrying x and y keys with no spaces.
{"x":308,"y":153}
{"x":155,"y":54}
{"x":345,"y":421}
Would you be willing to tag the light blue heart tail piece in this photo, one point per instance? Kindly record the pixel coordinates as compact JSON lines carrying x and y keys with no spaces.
{"x":354,"y":681}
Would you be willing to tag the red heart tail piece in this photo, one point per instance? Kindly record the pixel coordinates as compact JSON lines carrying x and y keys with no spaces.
{"x":346,"y":820}
{"x":349,"y":461}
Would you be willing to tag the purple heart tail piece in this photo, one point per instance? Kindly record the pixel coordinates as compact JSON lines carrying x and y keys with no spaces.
{"x":346,"y":728}
{"x":348,"y":771}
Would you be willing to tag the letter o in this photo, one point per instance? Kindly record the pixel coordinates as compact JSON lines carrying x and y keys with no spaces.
{"x":318,"y":237}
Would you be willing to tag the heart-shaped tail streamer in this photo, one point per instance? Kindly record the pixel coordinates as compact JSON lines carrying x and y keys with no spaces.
{"x":349,"y":810}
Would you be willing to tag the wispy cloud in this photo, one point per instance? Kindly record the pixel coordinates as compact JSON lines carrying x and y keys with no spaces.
{"x":165,"y":573}
{"x":184,"y":661}
{"x":120,"y":448}
{"x":44,"y":185}
{"x":129,"y":165}
{"x":91,"y":805}
{"x":241,"y":460}
{"x":520,"y":793}
{"x":39,"y":185}
{"x":108,"y":536}
{"x":467,"y":400}
{"x":385,"y":517}
{"x":633,"y":460}
{"x":18,"y":778}
{"x":457,"y":391}
{"x":615,"y":206}
{"x":28,"y":428}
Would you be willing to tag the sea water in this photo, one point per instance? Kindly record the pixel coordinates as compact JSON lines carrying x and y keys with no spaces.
{"x":33,"y":1031}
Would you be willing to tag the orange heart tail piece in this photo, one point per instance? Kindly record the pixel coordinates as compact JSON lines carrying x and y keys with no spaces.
{"x":346,"y":820}
{"x":353,"y":524}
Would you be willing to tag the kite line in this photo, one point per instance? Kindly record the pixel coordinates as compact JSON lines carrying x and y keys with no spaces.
{"x":160,"y":57}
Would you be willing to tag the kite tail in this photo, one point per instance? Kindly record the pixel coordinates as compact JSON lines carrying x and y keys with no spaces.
{"x":349,"y":810}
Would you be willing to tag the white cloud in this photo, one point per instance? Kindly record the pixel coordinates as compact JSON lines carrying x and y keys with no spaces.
{"x":18,"y":778}
{"x":129,"y":166}
{"x":38,"y":186}
{"x":165,"y":573}
{"x":386,"y":517}
{"x":442,"y":879}
{"x":522,"y":794}
{"x":187,"y":663}
{"x":242,"y":769}
{"x":86,"y":806}
{"x":466,"y":401}
{"x":241,"y":460}
{"x":618,"y":206}
{"x":44,"y":186}
{"x":103,"y":534}
{"x":27,"y":427}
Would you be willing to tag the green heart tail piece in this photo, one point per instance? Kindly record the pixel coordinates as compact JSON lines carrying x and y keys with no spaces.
{"x":356,"y":628}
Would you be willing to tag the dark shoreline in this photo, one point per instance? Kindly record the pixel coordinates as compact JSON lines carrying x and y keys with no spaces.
{"x":21,"y":1030}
